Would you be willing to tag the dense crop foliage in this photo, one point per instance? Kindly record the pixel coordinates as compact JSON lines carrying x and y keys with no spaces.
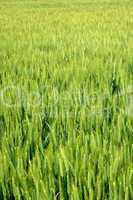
{"x":66,"y":113}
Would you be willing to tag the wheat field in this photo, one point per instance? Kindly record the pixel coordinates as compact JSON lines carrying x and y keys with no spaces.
{"x":66,"y":113}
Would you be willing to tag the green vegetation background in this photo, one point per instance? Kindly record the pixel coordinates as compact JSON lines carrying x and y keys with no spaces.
{"x":66,"y":120}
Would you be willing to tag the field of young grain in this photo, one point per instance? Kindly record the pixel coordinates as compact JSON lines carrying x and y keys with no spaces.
{"x":66,"y":94}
